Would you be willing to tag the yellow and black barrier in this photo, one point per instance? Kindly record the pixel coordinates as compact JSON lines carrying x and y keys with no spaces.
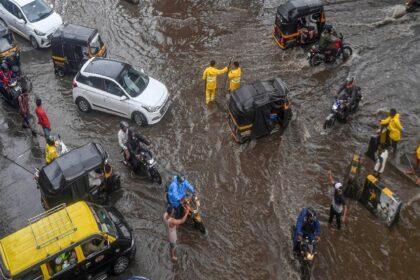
{"x":381,"y":201}
{"x":352,"y":188}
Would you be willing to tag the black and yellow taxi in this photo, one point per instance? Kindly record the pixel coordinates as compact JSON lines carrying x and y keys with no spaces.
{"x":9,"y":51}
{"x":79,"y":241}
{"x":72,"y":45}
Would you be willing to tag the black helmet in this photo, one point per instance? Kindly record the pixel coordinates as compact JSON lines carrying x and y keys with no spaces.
{"x":50,"y":141}
{"x":328,"y":27}
{"x":4,"y":66}
{"x":124,"y":124}
{"x":180,"y":178}
{"x":349,"y":79}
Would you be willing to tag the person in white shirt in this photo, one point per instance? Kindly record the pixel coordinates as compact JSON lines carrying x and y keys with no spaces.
{"x":123,"y":138}
{"x":382,"y":157}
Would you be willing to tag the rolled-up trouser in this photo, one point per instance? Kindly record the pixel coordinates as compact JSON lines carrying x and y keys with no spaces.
{"x":210,"y":95}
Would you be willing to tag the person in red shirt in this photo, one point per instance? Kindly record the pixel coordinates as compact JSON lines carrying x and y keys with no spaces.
{"x":43,"y":119}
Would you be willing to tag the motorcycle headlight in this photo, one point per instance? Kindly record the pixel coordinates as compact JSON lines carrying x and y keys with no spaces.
{"x":13,"y":83}
{"x":152,"y":109}
{"x":151,"y":161}
{"x":310,"y":256}
{"x":39,"y":33}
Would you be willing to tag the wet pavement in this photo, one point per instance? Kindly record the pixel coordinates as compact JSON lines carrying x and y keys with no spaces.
{"x":250,"y":194}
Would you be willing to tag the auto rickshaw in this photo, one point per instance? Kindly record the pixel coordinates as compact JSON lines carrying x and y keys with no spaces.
{"x":298,"y":22}
{"x":259,"y":109}
{"x":9,"y":51}
{"x":83,"y":173}
{"x":72,"y":45}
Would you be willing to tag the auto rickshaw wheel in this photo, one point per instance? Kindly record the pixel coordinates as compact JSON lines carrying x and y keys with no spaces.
{"x":60,"y":72}
{"x":34,"y":43}
{"x":83,"y":105}
{"x":139,"y":119}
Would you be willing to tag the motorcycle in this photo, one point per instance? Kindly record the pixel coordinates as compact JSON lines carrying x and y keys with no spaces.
{"x":340,"y":50}
{"x":144,"y":162}
{"x":412,"y":5}
{"x":305,"y":255}
{"x":194,"y":203}
{"x":11,"y":94}
{"x":340,"y":110}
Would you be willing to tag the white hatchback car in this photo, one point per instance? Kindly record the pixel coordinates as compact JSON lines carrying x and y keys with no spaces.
{"x":34,"y":20}
{"x":117,"y":88}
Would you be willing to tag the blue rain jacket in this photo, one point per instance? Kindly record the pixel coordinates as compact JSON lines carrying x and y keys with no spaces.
{"x":310,"y":231}
{"x":176,"y":191}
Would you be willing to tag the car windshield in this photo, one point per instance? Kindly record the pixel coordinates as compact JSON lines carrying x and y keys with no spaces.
{"x":133,"y":81}
{"x":102,"y":218}
{"x":95,"y":45}
{"x":37,"y":10}
{"x":6,"y":43}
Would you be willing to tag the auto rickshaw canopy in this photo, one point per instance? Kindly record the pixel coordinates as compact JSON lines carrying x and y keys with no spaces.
{"x":68,"y":168}
{"x":293,"y":9}
{"x":72,"y":34}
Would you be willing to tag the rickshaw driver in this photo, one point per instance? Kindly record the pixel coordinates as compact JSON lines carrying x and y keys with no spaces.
{"x":177,"y":192}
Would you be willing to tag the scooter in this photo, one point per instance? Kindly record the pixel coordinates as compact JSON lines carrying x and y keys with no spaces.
{"x":11,"y":94}
{"x":341,"y":51}
{"x":341,"y":110}
{"x":305,"y":255}
{"x":144,"y":162}
{"x":194,"y":203}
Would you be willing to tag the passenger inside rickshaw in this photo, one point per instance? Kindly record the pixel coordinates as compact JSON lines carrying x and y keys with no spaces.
{"x":62,"y":262}
{"x":96,"y":178}
{"x":308,"y":28}
{"x":276,"y":114}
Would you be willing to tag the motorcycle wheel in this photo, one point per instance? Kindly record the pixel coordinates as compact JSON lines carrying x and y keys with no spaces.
{"x":305,"y":270}
{"x":315,"y":60}
{"x":200,"y":226}
{"x":346,"y":52}
{"x":154,"y":173}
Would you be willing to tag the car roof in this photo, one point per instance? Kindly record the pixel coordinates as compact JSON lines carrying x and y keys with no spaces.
{"x":22,"y":2}
{"x":46,"y":235}
{"x":104,"y":67}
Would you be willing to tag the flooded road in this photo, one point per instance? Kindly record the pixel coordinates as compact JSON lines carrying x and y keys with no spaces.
{"x":250,"y":194}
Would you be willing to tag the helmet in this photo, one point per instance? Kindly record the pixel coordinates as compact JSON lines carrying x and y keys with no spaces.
{"x":349,"y":79}
{"x":50,"y":141}
{"x":338,"y":186}
{"x":4,"y":66}
{"x":328,"y":28}
{"x":310,"y":214}
{"x":124,"y":124}
{"x":180,"y":178}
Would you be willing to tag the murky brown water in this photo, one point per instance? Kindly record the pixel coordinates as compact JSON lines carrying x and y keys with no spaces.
{"x":250,"y":194}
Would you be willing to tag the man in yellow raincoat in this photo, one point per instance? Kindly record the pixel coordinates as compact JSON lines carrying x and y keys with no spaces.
{"x":50,"y":150}
{"x":234,"y":76}
{"x":394,"y":127}
{"x":210,"y":77}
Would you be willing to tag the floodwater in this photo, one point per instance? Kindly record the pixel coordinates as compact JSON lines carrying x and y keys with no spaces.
{"x":250,"y":194}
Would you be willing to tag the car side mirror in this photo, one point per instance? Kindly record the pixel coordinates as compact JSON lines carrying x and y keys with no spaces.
{"x":21,"y":21}
{"x":124,"y":97}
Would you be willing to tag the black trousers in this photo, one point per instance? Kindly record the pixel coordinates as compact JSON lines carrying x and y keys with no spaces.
{"x":337,"y":216}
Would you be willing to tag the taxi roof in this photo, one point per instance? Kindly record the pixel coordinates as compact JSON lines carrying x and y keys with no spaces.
{"x":47,"y":236}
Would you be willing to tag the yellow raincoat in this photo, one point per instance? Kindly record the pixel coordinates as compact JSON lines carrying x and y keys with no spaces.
{"x":394,"y":126}
{"x":50,"y":153}
{"x":210,"y":76}
{"x":234,"y":76}
{"x":418,"y":152}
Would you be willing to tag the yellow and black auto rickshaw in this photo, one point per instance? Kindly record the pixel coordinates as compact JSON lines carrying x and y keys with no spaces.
{"x":72,"y":45}
{"x":259,"y":109}
{"x":298,"y":22}
{"x":9,"y":52}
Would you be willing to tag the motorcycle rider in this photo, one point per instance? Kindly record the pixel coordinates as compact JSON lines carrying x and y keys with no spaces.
{"x":177,"y":192}
{"x":307,"y":225}
{"x":135,"y":149}
{"x":5,"y":77}
{"x":326,"y":40}
{"x":123,"y":139}
{"x":350,"y":94}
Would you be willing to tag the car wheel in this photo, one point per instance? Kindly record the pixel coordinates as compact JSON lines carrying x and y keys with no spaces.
{"x":83,"y":105}
{"x":139,"y":119}
{"x":34,"y":43}
{"x":120,"y":265}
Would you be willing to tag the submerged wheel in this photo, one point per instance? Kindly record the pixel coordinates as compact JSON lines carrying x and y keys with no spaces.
{"x":200,"y":226}
{"x":154,"y":173}
{"x":83,"y":105}
{"x":346,"y":52}
{"x":139,"y":119}
{"x":120,"y":265}
{"x":315,"y":60}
